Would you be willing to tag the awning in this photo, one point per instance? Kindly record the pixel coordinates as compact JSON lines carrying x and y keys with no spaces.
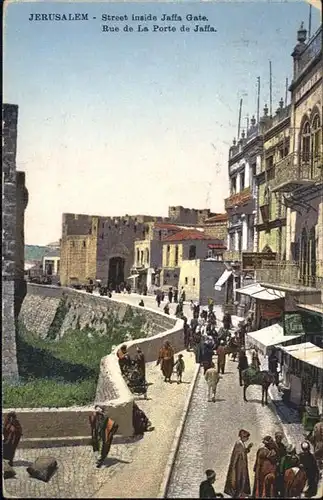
{"x":306,"y":352}
{"x":133,"y":276}
{"x":257,"y":291}
{"x":269,"y":336}
{"x":223,"y":279}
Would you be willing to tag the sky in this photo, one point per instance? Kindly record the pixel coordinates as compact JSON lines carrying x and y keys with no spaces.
{"x":115,"y":123}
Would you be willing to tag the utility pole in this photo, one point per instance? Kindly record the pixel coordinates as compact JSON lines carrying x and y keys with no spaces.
{"x":270,"y":91}
{"x":310,"y":23}
{"x":258,"y":100}
{"x":286,"y":92}
{"x":239,"y":122}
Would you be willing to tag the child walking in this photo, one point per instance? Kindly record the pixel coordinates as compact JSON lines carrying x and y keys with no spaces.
{"x":179,"y":367}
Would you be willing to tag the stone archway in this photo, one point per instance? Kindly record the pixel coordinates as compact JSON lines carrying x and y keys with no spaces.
{"x":116,"y":271}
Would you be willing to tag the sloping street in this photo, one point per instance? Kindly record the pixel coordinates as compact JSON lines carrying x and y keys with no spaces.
{"x":211,"y":430}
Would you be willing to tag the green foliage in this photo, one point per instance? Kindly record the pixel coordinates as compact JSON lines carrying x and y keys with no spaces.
{"x":64,"y":372}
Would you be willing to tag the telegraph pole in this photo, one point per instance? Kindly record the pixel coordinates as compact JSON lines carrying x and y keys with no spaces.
{"x":270,"y":91}
{"x":239,"y":122}
{"x":258,"y":100}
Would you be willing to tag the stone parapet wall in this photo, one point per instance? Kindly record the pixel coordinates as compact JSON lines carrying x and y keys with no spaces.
{"x":112,"y":391}
{"x":9,"y":354}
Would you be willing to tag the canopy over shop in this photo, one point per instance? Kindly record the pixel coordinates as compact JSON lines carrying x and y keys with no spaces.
{"x":267,"y":303}
{"x":266,"y":338}
{"x":302,"y":369}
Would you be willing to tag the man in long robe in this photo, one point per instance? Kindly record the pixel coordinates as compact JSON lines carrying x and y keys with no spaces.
{"x":221,"y":353}
{"x":307,"y":460}
{"x":103,"y":429}
{"x":265,"y":470}
{"x":166,"y":360}
{"x":237,"y":483}
{"x":123,"y":358}
{"x":281,"y":452}
{"x":12,"y":432}
{"x":140,"y":362}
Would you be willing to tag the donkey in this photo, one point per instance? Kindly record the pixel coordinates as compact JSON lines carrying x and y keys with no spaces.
{"x":262,"y":378}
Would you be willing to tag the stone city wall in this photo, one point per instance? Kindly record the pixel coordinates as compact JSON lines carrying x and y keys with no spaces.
{"x":112,"y":391}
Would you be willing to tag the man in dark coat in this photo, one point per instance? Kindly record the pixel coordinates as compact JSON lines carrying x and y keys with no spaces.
{"x":206,"y":487}
{"x":170,"y":295}
{"x":307,"y":460}
{"x":175,"y":295}
{"x":237,"y":483}
{"x":12,"y":432}
{"x":242,"y":364}
{"x":273,"y":364}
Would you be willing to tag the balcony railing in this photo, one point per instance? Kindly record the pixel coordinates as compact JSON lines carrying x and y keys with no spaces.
{"x":289,"y":275}
{"x":296,"y":170}
{"x":232,"y":256}
{"x":312,"y":50}
{"x":238,"y":199}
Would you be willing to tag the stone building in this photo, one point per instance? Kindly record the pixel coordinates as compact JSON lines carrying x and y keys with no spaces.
{"x":14,"y":202}
{"x":240,"y":206}
{"x":271,"y":211}
{"x":217,"y":226}
{"x":299,"y":182}
{"x":103,"y":248}
{"x":187,"y":245}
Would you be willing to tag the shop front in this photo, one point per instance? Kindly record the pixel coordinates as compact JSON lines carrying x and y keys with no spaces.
{"x":267,"y":304}
{"x":266,"y":338}
{"x":302,"y":376}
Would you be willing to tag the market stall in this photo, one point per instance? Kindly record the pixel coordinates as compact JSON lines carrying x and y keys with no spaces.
{"x":270,"y":336}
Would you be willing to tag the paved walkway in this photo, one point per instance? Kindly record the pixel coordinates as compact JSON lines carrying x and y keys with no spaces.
{"x":137,"y":465}
{"x":143,"y":477}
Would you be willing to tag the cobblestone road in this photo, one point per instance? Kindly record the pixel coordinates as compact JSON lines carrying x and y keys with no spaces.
{"x":211,"y":430}
{"x":137,"y":465}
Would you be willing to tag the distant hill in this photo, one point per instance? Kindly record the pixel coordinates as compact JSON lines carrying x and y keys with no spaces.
{"x":36,"y":252}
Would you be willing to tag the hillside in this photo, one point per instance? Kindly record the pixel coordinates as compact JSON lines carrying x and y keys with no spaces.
{"x":36,"y":252}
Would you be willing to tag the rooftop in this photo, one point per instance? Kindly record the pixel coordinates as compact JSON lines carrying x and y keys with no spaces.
{"x":190,"y":234}
{"x":217,"y":218}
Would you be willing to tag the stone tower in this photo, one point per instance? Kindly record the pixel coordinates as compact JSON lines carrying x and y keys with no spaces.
{"x":14,"y":199}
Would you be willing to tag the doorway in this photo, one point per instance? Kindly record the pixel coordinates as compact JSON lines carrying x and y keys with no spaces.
{"x":116,"y":271}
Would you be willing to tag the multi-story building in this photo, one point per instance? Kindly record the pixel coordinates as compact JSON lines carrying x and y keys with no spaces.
{"x":240,"y":206}
{"x":298,"y":182}
{"x":14,"y":202}
{"x":194,"y":260}
{"x":271,"y":212}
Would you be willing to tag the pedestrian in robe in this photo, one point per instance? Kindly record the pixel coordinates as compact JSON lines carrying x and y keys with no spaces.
{"x":227,"y":322}
{"x":179,"y":310}
{"x":221,"y":353}
{"x":175,"y":295}
{"x":237,"y":483}
{"x":255,"y":361}
{"x":289,"y":461}
{"x":12,"y":432}
{"x":317,"y":439}
{"x":212,"y":378}
{"x":242,"y":364}
{"x":141,"y":363}
{"x":170,"y":295}
{"x":308,"y":462}
{"x":166,"y":308}
{"x":158,"y":299}
{"x":206,"y":487}
{"x":265,"y":470}
{"x":124,"y":359}
{"x":281,"y":452}
{"x":166,"y":360}
{"x":141,"y":303}
{"x":140,"y":421}
{"x":103,"y":429}
{"x":183,"y":295}
{"x":273,"y":365}
{"x":207,"y":352}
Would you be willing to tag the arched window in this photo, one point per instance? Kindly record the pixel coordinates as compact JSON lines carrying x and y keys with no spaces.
{"x":192,"y":252}
{"x":176,"y":255}
{"x":306,"y":142}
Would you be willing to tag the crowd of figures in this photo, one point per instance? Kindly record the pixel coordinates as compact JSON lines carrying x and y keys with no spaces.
{"x":279,"y":472}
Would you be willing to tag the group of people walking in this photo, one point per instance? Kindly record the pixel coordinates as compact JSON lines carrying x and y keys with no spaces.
{"x":166,"y":360}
